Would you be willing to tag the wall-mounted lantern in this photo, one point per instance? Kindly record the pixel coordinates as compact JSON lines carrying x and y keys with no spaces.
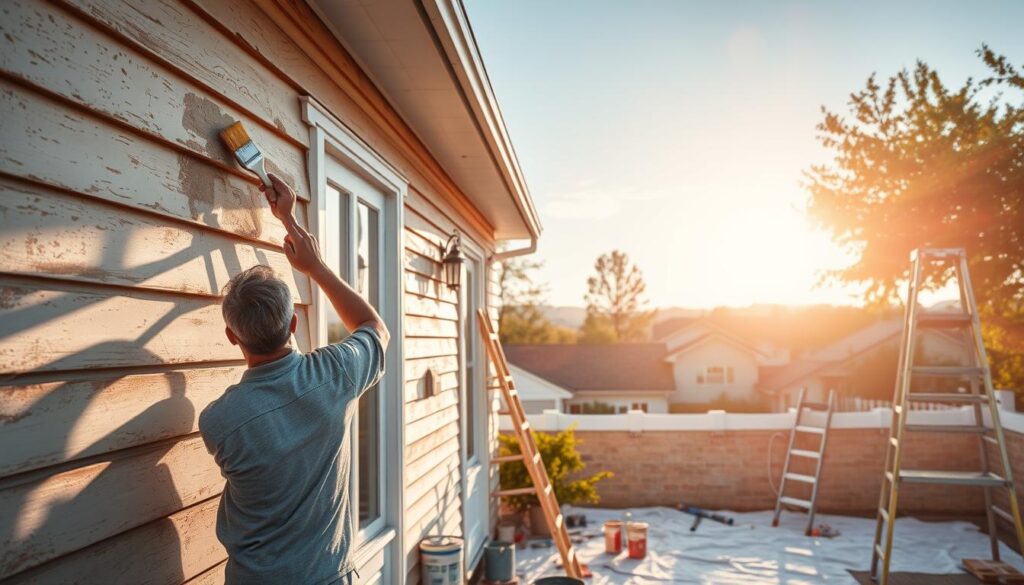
{"x":452,"y":262}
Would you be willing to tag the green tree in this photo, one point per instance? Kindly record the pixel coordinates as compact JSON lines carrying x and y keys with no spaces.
{"x":918,"y":163}
{"x":616,"y":308}
{"x":521,"y":318}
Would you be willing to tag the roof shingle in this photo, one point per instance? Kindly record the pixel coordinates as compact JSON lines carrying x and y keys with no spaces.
{"x":618,"y":366}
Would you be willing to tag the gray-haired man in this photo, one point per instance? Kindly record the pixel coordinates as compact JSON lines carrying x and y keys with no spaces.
{"x":280,"y":435}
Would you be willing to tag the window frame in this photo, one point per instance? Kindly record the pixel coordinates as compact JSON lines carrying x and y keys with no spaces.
{"x":330,"y":138}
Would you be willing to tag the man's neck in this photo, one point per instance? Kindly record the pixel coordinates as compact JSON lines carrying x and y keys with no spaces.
{"x":253,"y":360}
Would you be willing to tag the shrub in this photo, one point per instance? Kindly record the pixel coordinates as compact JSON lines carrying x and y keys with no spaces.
{"x":561,"y":460}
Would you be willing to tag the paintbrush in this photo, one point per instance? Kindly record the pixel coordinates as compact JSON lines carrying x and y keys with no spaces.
{"x":246,"y":151}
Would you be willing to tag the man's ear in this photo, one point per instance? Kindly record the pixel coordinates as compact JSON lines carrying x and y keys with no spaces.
{"x":294,"y":323}
{"x":231,"y":336}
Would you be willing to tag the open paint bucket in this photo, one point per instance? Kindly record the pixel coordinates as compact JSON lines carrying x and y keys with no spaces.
{"x":637,"y":533}
{"x":613,"y":537}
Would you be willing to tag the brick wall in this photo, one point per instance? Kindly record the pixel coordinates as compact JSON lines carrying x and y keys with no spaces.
{"x":729,"y":470}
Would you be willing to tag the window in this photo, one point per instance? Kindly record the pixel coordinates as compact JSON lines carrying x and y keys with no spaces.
{"x":622,"y":410}
{"x":575,"y":409}
{"x":640,"y":406}
{"x":353,"y":242}
{"x":355,"y":211}
{"x":716,"y":375}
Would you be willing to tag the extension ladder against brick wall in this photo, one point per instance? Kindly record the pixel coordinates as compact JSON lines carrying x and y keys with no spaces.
{"x":817,"y":456}
{"x":981,"y":395}
{"x":528,"y":454}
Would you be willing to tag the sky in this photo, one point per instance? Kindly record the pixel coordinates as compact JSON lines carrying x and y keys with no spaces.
{"x":678,"y":132}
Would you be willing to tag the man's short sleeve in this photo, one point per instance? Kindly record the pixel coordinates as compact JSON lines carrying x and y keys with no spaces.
{"x":360,"y":357}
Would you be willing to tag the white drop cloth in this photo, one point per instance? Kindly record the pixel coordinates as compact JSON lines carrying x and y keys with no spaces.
{"x":752,"y":552}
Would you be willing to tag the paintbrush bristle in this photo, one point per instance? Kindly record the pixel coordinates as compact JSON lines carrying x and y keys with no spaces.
{"x":235,"y":136}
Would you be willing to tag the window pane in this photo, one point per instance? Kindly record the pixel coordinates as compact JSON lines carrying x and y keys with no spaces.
{"x":335,"y":252}
{"x":469,"y":331}
{"x":716,"y":375}
{"x":368,"y":285}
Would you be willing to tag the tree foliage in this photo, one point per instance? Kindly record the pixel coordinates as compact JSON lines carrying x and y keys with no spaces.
{"x":521,"y":318}
{"x":616,"y":308}
{"x":918,"y":163}
{"x":563,"y":463}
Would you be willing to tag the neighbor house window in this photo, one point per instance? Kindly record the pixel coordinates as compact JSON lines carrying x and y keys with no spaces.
{"x":716,"y":375}
{"x":575,"y":409}
{"x":640,"y":406}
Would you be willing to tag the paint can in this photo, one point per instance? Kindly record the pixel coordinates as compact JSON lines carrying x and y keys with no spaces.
{"x":441,"y":560}
{"x":559,"y":580}
{"x":500,"y":561}
{"x":613,"y":537}
{"x":507,"y":532}
{"x":637,"y":533}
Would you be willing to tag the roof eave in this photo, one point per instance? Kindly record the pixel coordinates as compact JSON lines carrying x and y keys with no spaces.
{"x":448,"y":17}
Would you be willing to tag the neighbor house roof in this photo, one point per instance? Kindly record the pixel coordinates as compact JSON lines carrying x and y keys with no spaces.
{"x":855,"y":344}
{"x":619,"y":366}
{"x":424,"y":58}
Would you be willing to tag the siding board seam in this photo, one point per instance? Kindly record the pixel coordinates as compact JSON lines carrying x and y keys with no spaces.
{"x":42,"y":473}
{"x":146,"y":134}
{"x":84,"y":374}
{"x":144,"y":211}
{"x":107,"y":30}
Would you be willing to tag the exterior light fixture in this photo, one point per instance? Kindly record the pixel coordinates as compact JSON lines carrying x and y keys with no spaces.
{"x":453,"y":261}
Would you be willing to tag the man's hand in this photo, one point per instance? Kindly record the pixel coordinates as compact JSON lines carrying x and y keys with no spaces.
{"x":281,"y":198}
{"x":302,"y":251}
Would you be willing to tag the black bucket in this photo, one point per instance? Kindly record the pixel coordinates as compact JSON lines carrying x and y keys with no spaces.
{"x":558,"y":581}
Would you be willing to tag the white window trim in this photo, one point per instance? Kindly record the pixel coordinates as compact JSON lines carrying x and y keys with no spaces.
{"x":475,"y":252}
{"x":327,"y":134}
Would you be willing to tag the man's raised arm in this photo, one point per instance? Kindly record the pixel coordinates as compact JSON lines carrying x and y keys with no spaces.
{"x":302,"y":250}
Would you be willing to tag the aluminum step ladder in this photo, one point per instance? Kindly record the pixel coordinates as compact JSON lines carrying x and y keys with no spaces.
{"x":528,"y":455}
{"x":981,"y":394}
{"x":817,"y":456}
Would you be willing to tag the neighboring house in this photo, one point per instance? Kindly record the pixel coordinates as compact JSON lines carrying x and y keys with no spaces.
{"x":710,"y":363}
{"x":609,"y":378}
{"x":124,"y":216}
{"x":833,"y":366}
{"x":698,"y":362}
{"x":536,"y":393}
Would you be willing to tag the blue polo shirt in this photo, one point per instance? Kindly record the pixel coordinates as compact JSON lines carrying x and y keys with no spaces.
{"x":281,"y":438}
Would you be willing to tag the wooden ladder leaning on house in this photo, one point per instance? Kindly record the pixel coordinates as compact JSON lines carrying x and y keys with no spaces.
{"x":981,"y":396}
{"x":528,"y":454}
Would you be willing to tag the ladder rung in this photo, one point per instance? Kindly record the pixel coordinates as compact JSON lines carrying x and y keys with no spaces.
{"x":888,"y":476}
{"x":506,"y":459}
{"x":894,"y":441}
{"x":800,"y":477}
{"x":878,"y":551}
{"x":943,"y":320}
{"x":815,"y":405}
{"x":947,"y":371}
{"x":898,"y":409}
{"x":558,"y":522}
{"x":525,"y":426}
{"x":515,"y":492}
{"x":795,"y":502}
{"x":946,"y":429}
{"x":991,"y":439}
{"x":946,"y":397}
{"x":808,"y":429}
{"x":806,"y":453}
{"x":884,"y":514}
{"x":1003,"y":514}
{"x":952,"y":477}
